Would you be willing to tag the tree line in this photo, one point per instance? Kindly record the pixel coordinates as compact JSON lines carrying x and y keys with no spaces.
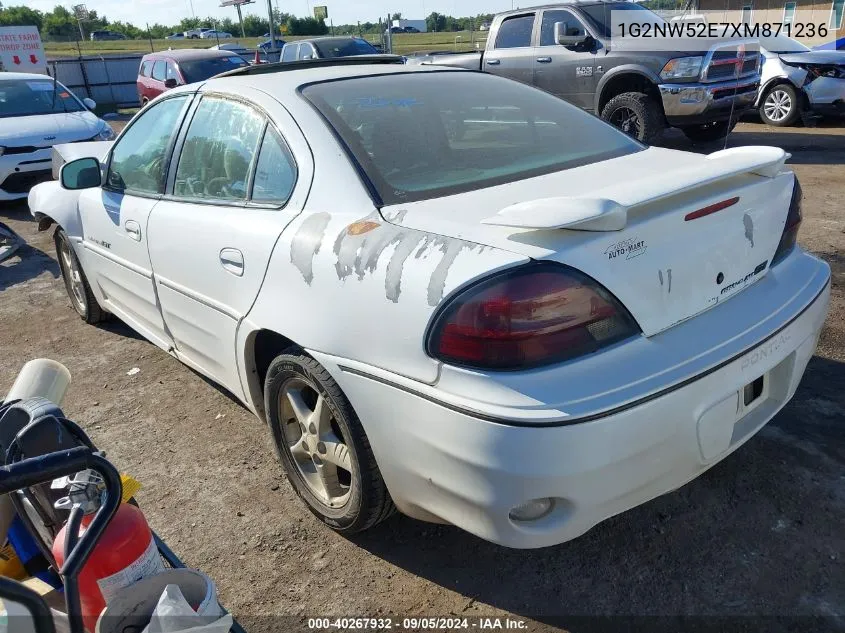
{"x":61,"y":25}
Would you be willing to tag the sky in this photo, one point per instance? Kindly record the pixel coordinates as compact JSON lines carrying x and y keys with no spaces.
{"x":340,"y":12}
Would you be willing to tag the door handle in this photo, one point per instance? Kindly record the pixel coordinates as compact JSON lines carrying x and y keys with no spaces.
{"x":133,"y":229}
{"x":232,"y":261}
{"x":493,"y":62}
{"x":544,"y":60}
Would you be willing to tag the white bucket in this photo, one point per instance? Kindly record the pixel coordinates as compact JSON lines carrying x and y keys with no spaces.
{"x":130,"y":610}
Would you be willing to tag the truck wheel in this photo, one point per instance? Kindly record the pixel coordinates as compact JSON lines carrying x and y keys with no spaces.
{"x":636,"y":114}
{"x":322,"y":445}
{"x":709,"y":132}
{"x":781,"y":106}
{"x":76,"y":283}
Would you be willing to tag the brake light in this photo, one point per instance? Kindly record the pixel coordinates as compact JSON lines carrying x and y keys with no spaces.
{"x":530,"y":316}
{"x":793,"y":223}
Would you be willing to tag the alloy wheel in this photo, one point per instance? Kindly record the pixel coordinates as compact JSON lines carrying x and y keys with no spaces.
{"x":74,"y":278}
{"x":778,"y":105}
{"x":626,"y":120}
{"x":316,"y":442}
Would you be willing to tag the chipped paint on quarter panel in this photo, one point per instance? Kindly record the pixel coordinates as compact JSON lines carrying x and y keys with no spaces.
{"x":306,"y":243}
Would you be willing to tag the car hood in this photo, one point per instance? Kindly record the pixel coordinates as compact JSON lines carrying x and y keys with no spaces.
{"x":815,"y":57}
{"x":45,"y":130}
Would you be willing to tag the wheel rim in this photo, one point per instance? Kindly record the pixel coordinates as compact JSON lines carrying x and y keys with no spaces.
{"x":626,"y":120}
{"x":777,"y":105}
{"x":316,"y":443}
{"x":73,"y":276}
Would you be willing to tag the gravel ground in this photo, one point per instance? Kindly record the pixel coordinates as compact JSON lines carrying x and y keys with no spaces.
{"x":760,"y":534}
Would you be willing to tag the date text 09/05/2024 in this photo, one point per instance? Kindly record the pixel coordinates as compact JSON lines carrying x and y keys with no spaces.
{"x":696,"y":30}
{"x":416,"y":623}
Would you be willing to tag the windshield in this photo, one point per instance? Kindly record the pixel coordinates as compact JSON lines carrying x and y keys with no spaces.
{"x":25,"y":97}
{"x":782,"y":44}
{"x":598,"y":15}
{"x":202,"y":69}
{"x":433,"y":134}
{"x":344,"y":48}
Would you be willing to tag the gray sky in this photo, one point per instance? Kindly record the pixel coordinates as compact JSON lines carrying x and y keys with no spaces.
{"x":341,"y":12}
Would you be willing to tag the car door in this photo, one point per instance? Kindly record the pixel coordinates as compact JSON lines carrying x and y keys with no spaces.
{"x":233,"y":188}
{"x":565,"y":71}
{"x":115,"y":217}
{"x":513,"y":54}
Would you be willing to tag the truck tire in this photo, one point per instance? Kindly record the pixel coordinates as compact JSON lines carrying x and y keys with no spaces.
{"x":781,"y":105}
{"x":709,"y":132}
{"x":636,"y":114}
{"x":322,"y":445}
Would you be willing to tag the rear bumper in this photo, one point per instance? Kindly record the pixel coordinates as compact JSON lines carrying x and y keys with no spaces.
{"x":445,"y":464}
{"x":692,"y":104}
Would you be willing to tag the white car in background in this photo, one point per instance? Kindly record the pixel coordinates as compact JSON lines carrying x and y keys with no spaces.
{"x":212,"y":35}
{"x":36,"y":114}
{"x":449,"y":291}
{"x":795,"y":79}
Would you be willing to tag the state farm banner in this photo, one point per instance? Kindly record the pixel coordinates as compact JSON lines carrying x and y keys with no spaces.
{"x":21,"y":50}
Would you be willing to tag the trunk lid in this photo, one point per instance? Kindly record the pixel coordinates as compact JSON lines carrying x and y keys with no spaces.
{"x":644,"y":231}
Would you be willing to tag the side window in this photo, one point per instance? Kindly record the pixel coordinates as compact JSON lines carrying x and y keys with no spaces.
{"x":160,"y":70}
{"x":289,"y":52}
{"x":275,"y":172}
{"x":306,"y":51}
{"x":547,"y":29}
{"x":219,"y":150}
{"x":146,"y":68}
{"x":138,"y":159}
{"x":515,"y":32}
{"x":171,"y":71}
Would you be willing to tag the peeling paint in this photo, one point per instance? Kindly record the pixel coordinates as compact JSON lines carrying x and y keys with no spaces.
{"x":748,"y":222}
{"x":669,"y":279}
{"x":306,"y":244}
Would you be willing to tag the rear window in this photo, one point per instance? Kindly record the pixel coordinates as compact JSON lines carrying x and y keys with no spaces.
{"x":202,"y":69}
{"x":344,"y":48}
{"x":427,"y":135}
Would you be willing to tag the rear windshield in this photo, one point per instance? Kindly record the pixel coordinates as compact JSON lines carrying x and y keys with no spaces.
{"x":202,"y":69}
{"x":344,"y":48}
{"x":426,"y":135}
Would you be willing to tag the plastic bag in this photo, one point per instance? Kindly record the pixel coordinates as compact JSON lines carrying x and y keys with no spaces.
{"x":173,"y":614}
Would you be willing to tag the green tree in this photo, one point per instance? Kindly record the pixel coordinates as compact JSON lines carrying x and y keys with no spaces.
{"x":435,"y":22}
{"x":21,"y":16}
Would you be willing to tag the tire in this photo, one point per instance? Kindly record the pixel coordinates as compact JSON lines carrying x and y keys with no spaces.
{"x":636,"y":114}
{"x":709,"y":132}
{"x":76,"y":283}
{"x":348,"y":501}
{"x":781,"y":106}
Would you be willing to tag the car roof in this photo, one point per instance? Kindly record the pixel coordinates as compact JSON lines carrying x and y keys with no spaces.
{"x":184,"y":54}
{"x":288,"y":81}
{"x":12,"y":75}
{"x":330,"y":38}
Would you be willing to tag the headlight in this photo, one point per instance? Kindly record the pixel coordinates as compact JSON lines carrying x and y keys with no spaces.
{"x":106,"y":134}
{"x":682,"y":68}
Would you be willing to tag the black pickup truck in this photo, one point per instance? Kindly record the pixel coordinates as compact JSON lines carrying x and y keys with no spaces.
{"x":567,"y":49}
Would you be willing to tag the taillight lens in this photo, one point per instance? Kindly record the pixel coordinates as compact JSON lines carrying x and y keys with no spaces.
{"x":793,"y":223}
{"x":530,"y":316}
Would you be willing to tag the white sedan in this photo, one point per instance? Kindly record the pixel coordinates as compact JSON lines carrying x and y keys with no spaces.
{"x":449,"y":292}
{"x":215,"y":35}
{"x":35,"y":114}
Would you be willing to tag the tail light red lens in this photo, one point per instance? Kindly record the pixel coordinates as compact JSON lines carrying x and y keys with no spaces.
{"x":534,"y":315}
{"x":793,"y":223}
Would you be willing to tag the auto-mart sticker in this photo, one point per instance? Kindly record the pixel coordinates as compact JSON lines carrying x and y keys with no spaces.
{"x":627,"y":249}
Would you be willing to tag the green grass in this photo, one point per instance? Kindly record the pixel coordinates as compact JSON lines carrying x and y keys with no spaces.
{"x":402,"y":44}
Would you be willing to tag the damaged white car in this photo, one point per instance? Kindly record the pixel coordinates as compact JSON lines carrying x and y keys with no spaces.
{"x":448,"y":292}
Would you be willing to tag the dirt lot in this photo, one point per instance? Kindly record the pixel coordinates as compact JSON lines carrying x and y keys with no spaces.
{"x":761,"y":534}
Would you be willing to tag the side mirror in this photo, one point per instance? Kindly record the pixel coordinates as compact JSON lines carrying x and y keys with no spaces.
{"x":82,"y":173}
{"x":170,"y":83}
{"x":89,"y":103}
{"x":562,"y":37}
{"x":26,"y":611}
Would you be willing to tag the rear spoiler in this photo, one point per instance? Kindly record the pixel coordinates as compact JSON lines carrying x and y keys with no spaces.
{"x":608,"y":211}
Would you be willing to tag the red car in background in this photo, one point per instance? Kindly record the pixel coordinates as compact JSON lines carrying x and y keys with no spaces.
{"x":168,"y":69}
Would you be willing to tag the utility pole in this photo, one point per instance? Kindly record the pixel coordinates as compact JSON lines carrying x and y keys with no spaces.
{"x":272,"y":27}
{"x":241,"y":20}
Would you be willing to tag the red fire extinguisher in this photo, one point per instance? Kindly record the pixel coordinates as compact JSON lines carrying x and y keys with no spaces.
{"x":125,"y":553}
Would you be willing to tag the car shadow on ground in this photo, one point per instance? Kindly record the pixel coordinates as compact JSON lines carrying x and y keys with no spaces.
{"x":27,"y":262}
{"x":714,"y":547}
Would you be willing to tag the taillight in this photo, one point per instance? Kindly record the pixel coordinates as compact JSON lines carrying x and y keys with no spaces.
{"x":793,"y":223}
{"x":533,"y":315}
